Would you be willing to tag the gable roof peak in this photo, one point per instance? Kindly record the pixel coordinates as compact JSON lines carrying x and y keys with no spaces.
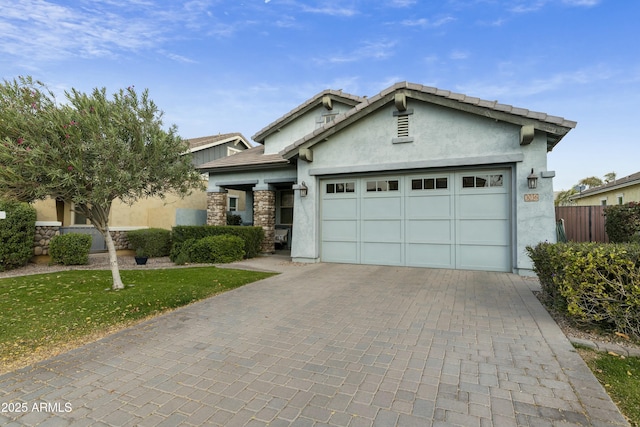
{"x":312,"y":102}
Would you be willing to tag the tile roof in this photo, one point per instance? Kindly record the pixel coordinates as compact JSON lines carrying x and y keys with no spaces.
{"x":247,"y":159}
{"x":555,"y":127}
{"x":477,"y":105}
{"x":625,"y":181}
{"x":195,"y":143}
{"x":300,"y":109}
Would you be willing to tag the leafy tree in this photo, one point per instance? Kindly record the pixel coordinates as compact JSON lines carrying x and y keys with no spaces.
{"x":88,"y":151}
{"x":609,"y":177}
{"x":591,"y":181}
{"x":563,"y":198}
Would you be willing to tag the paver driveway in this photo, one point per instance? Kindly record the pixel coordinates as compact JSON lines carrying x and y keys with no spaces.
{"x":327,"y":344}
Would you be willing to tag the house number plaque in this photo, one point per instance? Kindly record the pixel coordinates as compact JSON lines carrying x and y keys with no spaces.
{"x":532,"y":197}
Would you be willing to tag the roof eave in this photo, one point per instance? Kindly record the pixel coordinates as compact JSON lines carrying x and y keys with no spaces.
{"x":302,"y":109}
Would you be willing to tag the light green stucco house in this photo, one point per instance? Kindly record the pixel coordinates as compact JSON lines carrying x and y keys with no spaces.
{"x":413,"y":176}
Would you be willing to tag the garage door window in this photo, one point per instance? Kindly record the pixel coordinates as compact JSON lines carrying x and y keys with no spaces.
{"x":341,"y":187}
{"x":482,"y":181}
{"x":430,"y":184}
{"x":390,"y":185}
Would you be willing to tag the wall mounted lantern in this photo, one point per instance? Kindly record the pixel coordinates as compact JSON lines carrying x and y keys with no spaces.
{"x":302,"y":188}
{"x":532,"y":180}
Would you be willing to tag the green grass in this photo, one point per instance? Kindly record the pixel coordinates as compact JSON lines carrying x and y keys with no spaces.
{"x":620,"y":377}
{"x":43,"y":313}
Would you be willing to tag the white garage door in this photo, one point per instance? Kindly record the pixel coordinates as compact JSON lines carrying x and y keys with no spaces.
{"x":446,"y":220}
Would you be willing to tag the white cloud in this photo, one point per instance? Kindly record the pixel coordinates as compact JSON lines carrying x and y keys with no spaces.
{"x":368,"y":50}
{"x":458,"y":55}
{"x":426,"y":23}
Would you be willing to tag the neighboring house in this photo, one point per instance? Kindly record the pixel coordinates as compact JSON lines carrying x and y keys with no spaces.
{"x":617,"y":192}
{"x":156,"y":212}
{"x":413,"y":176}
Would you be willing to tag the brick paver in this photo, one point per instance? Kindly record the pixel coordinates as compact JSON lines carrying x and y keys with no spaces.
{"x":327,"y":344}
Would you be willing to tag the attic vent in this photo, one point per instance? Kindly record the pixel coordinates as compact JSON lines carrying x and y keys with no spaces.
{"x":403,"y":126}
{"x":402,"y":132}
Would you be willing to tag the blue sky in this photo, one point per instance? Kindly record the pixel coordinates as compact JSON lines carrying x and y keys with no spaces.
{"x":235,"y":66}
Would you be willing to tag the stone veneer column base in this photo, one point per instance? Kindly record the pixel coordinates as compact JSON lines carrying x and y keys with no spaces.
{"x":264,"y":215}
{"x":216,"y":208}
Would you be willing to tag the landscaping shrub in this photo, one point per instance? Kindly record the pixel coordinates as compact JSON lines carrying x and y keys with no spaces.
{"x":17,"y":232}
{"x":211,"y":249}
{"x":252,"y":236}
{"x":599,"y":284}
{"x":150,"y":242}
{"x":70,"y":249}
{"x":233,"y":219}
{"x":622,"y":222}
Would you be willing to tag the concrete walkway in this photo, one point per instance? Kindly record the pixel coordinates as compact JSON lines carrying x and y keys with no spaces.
{"x":327,"y":344}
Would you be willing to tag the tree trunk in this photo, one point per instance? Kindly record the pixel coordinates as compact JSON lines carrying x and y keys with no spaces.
{"x":113,"y":261}
{"x":99,"y":217}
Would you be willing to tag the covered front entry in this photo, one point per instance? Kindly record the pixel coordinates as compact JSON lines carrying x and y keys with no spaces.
{"x":459,"y":219}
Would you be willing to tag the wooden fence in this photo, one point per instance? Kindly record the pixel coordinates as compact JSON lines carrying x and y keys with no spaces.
{"x":583,"y":223}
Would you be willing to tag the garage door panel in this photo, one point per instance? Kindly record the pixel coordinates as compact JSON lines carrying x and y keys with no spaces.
{"x":382,"y":253}
{"x":340,"y":230}
{"x":430,"y":255}
{"x":437,"y":220}
{"x":345,"y":252}
{"x":483,"y":206}
{"x":382,"y":231}
{"x":487,"y":232}
{"x":381,"y":208}
{"x":340,"y":209}
{"x":491,"y":258}
{"x":429,"y":207}
{"x":429,"y":231}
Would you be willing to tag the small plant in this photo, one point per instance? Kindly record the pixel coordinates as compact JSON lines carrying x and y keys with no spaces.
{"x":70,"y":249}
{"x":233,"y":219}
{"x":17,"y":231}
{"x":151,"y":242}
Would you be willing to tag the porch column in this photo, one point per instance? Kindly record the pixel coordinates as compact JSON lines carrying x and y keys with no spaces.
{"x":217,"y":208}
{"x":264,"y":215}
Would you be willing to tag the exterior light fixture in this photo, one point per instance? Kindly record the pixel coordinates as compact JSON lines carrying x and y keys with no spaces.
{"x":532,"y":180}
{"x":302,"y":188}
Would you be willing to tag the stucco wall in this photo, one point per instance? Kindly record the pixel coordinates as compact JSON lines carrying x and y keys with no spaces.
{"x":300,"y":127}
{"x":442,"y":138}
{"x":629,"y":194}
{"x":150,"y":212}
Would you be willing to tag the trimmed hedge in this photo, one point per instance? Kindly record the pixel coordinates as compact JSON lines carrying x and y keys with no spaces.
{"x":596,"y":283}
{"x":17,"y":232}
{"x":150,"y":242}
{"x":212,"y":249}
{"x":70,"y":249}
{"x":622,"y":222}
{"x":252,"y":236}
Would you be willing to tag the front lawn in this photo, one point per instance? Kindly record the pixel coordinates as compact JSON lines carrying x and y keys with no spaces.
{"x":620,"y":376}
{"x":45,"y":314}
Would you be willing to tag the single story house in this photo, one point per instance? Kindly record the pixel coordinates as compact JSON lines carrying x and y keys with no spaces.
{"x":616,"y":192}
{"x":413,"y":176}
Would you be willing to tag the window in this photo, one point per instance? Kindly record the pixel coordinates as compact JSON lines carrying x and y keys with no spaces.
{"x":286,"y":207}
{"x":232,"y":203}
{"x":603,"y":202}
{"x":620,"y":199}
{"x":341,"y":187}
{"x":482,"y":181}
{"x":390,"y":185}
{"x":430,"y":184}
